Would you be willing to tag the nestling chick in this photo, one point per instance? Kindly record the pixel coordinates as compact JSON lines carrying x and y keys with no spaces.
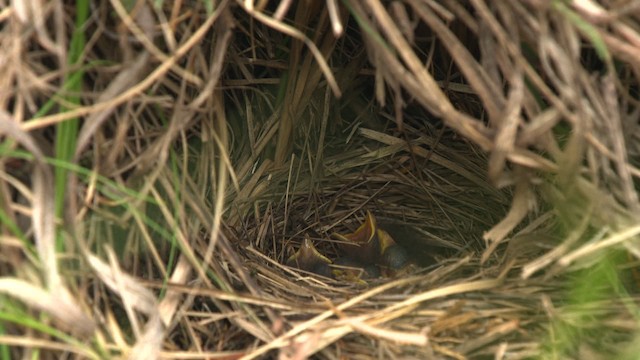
{"x":371,"y":245}
{"x":309,"y":259}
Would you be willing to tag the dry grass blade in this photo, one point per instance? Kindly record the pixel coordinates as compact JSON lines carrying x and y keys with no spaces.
{"x":399,"y":337}
{"x":125,"y":79}
{"x":134,"y":296}
{"x":597,"y":247}
{"x":60,"y":304}
{"x":286,"y":29}
{"x":156,"y":74}
{"x":56,"y":299}
{"x":423,"y":86}
{"x":523,"y":201}
{"x":44,"y":345}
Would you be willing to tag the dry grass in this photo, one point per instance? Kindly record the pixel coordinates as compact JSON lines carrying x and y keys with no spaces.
{"x":161,"y":162}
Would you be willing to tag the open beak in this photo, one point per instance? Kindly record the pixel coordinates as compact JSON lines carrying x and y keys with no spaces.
{"x":309,"y":259}
{"x":362,"y":245}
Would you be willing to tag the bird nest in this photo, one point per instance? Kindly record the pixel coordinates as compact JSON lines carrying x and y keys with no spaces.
{"x":363,"y":179}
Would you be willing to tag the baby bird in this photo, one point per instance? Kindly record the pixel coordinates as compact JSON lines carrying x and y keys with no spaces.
{"x":361,"y":245}
{"x":309,"y":259}
{"x":367,"y":253}
{"x":370,"y":245}
{"x":392,"y":255}
{"x":344,"y":268}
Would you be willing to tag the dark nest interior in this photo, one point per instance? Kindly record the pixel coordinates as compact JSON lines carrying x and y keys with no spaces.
{"x":319,"y":179}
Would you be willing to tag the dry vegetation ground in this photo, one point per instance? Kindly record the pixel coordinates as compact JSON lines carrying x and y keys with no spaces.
{"x":161,"y":160}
